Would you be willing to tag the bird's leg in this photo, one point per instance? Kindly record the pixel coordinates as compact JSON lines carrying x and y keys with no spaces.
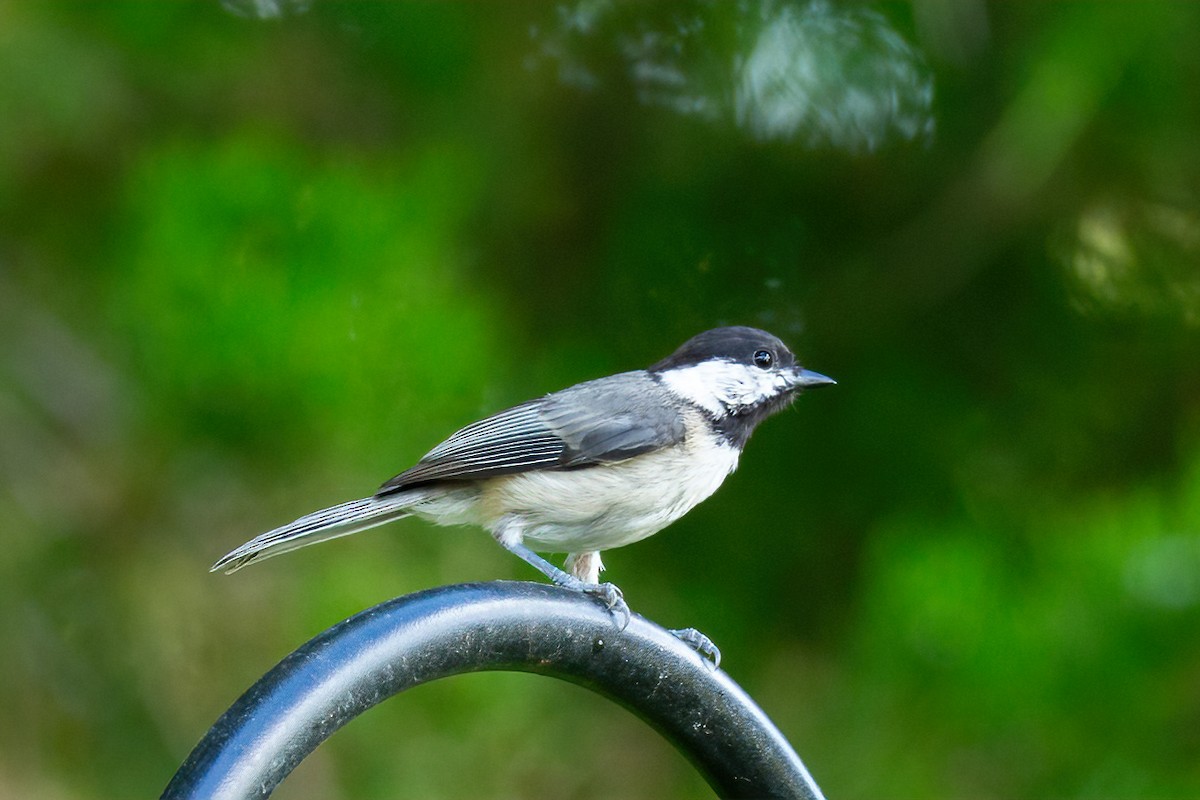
{"x":585,"y":566}
{"x":584,"y":576}
{"x":607,"y":593}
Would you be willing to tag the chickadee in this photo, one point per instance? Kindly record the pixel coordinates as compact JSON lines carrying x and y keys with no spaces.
{"x":589,"y":468}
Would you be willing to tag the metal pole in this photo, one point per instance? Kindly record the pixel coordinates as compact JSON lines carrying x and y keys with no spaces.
{"x":526,"y":627}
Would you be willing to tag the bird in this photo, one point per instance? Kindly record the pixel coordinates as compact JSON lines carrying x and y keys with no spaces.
{"x":589,"y":468}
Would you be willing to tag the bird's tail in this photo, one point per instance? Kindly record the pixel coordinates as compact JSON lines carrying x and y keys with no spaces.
{"x":319,"y":526}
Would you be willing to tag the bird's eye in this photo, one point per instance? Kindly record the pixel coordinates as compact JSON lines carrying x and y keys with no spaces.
{"x":764,"y":359}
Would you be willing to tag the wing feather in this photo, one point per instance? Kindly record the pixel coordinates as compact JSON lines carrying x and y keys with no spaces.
{"x":600,"y":421}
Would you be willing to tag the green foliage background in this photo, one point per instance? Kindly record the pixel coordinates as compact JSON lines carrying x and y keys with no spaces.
{"x":253,"y":267}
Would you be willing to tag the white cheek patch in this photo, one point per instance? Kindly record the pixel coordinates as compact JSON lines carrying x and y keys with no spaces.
{"x":721,"y":387}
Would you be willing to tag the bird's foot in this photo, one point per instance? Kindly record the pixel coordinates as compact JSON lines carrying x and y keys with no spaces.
{"x":612,"y":597}
{"x":606,"y":593}
{"x":701,"y":644}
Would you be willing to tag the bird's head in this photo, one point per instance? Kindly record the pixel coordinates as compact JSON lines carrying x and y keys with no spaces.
{"x":738,"y":375}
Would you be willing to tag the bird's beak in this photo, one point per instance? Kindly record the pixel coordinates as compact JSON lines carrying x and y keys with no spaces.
{"x":807,"y":379}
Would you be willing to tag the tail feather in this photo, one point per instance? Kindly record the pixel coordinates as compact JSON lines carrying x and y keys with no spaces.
{"x":319,"y":526}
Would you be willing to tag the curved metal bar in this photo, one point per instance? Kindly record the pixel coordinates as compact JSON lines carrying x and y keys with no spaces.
{"x":526,"y":627}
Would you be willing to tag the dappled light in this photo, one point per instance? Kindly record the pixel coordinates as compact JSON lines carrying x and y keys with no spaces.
{"x":266,"y":9}
{"x":1129,"y":257}
{"x":833,"y":77}
{"x":817,"y":74}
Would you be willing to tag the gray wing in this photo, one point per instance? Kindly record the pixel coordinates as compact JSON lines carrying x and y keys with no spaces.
{"x":604,"y":420}
{"x":612,"y":419}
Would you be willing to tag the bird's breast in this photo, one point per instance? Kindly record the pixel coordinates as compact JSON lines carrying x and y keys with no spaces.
{"x":608,"y":505}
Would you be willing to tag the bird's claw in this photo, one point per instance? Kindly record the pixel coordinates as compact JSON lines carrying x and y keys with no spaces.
{"x":701,"y":644}
{"x":614,"y":599}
